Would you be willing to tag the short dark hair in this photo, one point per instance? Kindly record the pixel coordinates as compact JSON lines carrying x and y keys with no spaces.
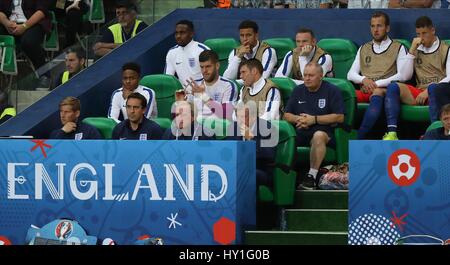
{"x":132,"y":66}
{"x":424,"y":22}
{"x":445,"y":109}
{"x":382,"y":14}
{"x":186,"y":22}
{"x":79,"y":52}
{"x":249,"y":24}
{"x":252,"y":64}
{"x":140,"y":97}
{"x":208,"y":55}
{"x":306,"y":30}
{"x":128,"y":4}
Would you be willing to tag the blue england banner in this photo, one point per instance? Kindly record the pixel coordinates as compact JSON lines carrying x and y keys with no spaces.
{"x":184,"y":192}
{"x":399,"y":192}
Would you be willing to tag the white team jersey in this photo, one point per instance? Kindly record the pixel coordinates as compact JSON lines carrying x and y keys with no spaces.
{"x":184,"y":61}
{"x":223,"y":91}
{"x":436,"y":44}
{"x":404,"y":65}
{"x":286,"y":66}
{"x":118,"y":103}
{"x":269,"y":60}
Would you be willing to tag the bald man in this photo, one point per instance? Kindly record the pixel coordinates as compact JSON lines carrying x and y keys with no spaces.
{"x":315,"y":108}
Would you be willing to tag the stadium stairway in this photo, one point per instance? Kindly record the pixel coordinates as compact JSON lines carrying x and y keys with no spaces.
{"x":317,"y":217}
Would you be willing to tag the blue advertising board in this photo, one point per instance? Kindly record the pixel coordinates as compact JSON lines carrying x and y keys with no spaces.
{"x":399,"y":192}
{"x":185,"y":192}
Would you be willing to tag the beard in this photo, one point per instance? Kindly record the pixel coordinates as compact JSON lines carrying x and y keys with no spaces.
{"x":381,"y":38}
{"x":211,"y":77}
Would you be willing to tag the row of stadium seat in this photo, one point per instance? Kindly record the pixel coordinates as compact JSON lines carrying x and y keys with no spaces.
{"x":343,"y":52}
{"x":165,"y":87}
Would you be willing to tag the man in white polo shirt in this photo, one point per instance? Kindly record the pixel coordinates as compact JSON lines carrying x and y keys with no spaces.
{"x":250,"y":48}
{"x":182,"y":59}
{"x":215,"y":95}
{"x":131,"y":73}
{"x":306,"y":51}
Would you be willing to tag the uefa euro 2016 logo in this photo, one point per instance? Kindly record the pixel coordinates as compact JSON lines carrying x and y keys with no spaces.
{"x":63,"y":230}
{"x":403,"y":167}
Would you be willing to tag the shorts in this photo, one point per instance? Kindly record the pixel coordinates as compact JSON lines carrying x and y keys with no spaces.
{"x":304,"y":137}
{"x":362,"y":97}
{"x":414,"y":91}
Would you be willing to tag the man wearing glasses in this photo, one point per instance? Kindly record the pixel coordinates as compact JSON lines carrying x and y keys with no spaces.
{"x":127,"y":27}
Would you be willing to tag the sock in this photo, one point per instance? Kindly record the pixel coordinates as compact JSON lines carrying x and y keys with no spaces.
{"x":313,"y":172}
{"x":392,"y":106}
{"x":433,"y":103}
{"x":371,"y":115}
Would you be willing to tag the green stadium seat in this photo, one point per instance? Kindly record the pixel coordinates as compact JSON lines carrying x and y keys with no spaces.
{"x":164,"y":123}
{"x":343,"y":135}
{"x":361,"y":109}
{"x":51,"y":41}
{"x":238,"y":87}
{"x":414,"y":113}
{"x":282,"y":46}
{"x":85,"y":17}
{"x":104,"y":125}
{"x":164,"y":87}
{"x":283,"y":176}
{"x":409,"y":113}
{"x":223,"y":47}
{"x":8,"y":63}
{"x":285,"y":85}
{"x":435,"y":125}
{"x":342,"y":51}
{"x":97,"y":12}
{"x":406,"y":43}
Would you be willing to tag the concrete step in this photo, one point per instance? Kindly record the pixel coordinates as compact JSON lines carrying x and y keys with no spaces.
{"x":22,"y":99}
{"x":295,"y":238}
{"x":321,"y":199}
{"x":317,"y":220}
